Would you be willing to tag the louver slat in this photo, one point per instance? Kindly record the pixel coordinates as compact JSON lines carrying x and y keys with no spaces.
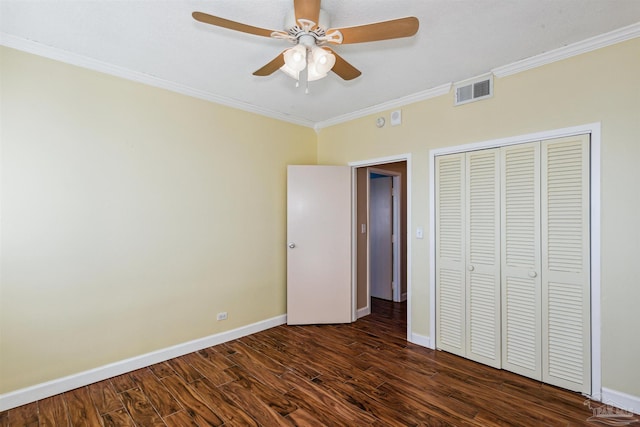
{"x":450,"y":250}
{"x":565,"y":260}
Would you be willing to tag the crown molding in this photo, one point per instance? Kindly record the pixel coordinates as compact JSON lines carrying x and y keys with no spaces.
{"x":396,"y":103}
{"x":67,"y":57}
{"x":603,"y":40}
{"x":584,"y":46}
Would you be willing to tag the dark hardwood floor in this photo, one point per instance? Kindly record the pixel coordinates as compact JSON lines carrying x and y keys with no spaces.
{"x":365,"y":373}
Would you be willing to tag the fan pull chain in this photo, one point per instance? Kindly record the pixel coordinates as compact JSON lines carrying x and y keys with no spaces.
{"x":306,"y":80}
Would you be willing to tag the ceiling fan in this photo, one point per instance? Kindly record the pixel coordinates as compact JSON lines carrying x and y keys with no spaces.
{"x":307,"y":28}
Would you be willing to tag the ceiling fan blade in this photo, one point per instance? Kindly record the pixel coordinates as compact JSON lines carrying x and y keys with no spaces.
{"x":232,"y":25}
{"x":271,"y":67}
{"x":396,"y":28}
{"x":307,"y":9}
{"x":343,"y":69}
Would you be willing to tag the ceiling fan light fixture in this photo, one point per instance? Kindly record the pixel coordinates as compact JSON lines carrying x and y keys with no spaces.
{"x":295,"y":60}
{"x":320,"y":63}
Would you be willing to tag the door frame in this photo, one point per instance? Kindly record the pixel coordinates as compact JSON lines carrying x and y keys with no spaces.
{"x":373,"y":163}
{"x":396,"y":294}
{"x":594,"y":130}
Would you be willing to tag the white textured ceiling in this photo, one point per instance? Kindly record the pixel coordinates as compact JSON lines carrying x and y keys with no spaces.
{"x":158,"y":41}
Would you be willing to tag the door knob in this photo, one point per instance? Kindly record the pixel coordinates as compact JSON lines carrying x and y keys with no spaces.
{"x":292,"y":245}
{"x":471,"y":268}
{"x":532,"y":274}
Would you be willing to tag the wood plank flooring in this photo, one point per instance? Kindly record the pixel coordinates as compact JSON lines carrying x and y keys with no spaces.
{"x":365,"y":373}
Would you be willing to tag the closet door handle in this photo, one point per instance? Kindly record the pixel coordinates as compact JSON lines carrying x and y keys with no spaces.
{"x":532,"y":274}
{"x":471,"y":268}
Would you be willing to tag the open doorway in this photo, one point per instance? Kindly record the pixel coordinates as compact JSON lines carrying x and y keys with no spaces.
{"x":381,"y":237}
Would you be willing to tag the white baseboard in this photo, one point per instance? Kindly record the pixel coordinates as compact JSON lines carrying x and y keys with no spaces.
{"x":361,"y":312}
{"x":60,"y":385}
{"x":422,"y":340}
{"x":620,"y":400}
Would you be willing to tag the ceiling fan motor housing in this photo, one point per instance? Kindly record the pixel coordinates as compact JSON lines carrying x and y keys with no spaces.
{"x":307,"y":40}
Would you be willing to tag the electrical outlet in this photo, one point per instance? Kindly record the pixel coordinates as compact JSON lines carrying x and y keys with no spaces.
{"x":222,"y":315}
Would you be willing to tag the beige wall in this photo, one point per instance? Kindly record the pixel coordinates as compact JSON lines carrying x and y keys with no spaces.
{"x":130,"y":217}
{"x":600,"y":86}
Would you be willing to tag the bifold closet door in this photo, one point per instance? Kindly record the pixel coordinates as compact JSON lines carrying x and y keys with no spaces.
{"x":513,"y":259}
{"x":468,"y":256}
{"x":566,"y":282}
{"x":546,"y":317}
{"x":450,"y":254}
{"x":482,"y":246}
{"x":521,"y":265}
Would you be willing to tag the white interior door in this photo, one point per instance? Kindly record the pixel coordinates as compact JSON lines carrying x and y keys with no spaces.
{"x":319,"y":288}
{"x":380,"y":237}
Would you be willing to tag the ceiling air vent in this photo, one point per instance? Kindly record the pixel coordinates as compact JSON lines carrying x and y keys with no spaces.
{"x":474,"y":89}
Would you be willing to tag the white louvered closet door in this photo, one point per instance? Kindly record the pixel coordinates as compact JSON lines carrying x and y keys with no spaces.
{"x":513,"y":259}
{"x":450,"y":254}
{"x":521,"y":265}
{"x":566,"y":288}
{"x":482,"y":213}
